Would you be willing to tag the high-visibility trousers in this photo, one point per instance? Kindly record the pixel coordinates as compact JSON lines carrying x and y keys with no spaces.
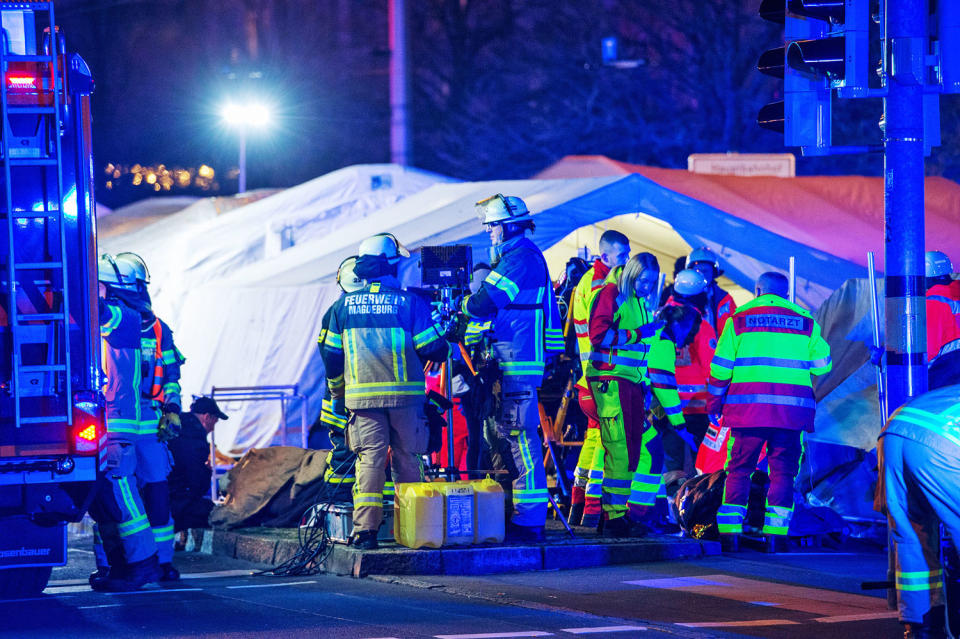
{"x":588,"y":475}
{"x":921,"y":484}
{"x":784,"y":448}
{"x":371,"y":433}
{"x":621,"y":409}
{"x":517,"y":424}
{"x":122,"y":531}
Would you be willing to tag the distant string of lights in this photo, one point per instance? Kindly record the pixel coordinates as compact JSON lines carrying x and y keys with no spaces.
{"x":160,"y":178}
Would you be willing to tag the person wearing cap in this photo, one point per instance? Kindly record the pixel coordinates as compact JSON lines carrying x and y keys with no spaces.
{"x":517,"y":296}
{"x":124,"y":546}
{"x":761,"y":383}
{"x":695,"y":349}
{"x":378,"y":339}
{"x":587,"y":493}
{"x":189,"y":480}
{"x":719,"y":304}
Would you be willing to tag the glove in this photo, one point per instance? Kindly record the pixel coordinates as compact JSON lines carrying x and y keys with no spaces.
{"x":170,"y":407}
{"x":169,"y":426}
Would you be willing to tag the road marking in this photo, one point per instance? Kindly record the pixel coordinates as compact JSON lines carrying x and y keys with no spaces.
{"x":887,"y":614}
{"x":288,"y":583}
{"x":498,"y":635}
{"x":819,"y":602}
{"x":676,"y":582}
{"x":100,"y":606}
{"x":587,"y":631}
{"x":154,"y":591}
{"x":763,"y":603}
{"x":739,"y":624}
{"x":86,"y":552}
{"x":218,"y":573}
{"x":58,"y":590}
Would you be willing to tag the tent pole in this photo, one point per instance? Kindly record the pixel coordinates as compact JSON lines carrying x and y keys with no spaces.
{"x":793,"y":279}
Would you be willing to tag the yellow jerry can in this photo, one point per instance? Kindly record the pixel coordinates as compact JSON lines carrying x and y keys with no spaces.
{"x":458,"y":512}
{"x":418,"y":515}
{"x":488,"y":522}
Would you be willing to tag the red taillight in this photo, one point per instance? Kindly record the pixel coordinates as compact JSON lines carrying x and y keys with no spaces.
{"x":88,"y":424}
{"x":18,"y":82}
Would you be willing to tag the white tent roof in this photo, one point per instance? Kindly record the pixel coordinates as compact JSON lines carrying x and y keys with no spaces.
{"x":258,"y":325}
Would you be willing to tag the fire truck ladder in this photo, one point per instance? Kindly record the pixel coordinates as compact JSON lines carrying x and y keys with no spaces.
{"x":52,"y":378}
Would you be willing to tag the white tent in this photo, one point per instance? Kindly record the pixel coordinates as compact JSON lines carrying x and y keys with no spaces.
{"x":258,"y":325}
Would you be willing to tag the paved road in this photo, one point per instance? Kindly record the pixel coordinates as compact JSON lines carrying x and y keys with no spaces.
{"x":748,"y":595}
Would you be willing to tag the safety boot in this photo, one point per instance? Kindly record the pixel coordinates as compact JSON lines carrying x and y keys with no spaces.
{"x":619,"y":528}
{"x":591,"y":520}
{"x":168,"y":572}
{"x":97,"y":578}
{"x":365,"y":540}
{"x":133,"y":576}
{"x":517,"y":534}
{"x":730,"y":543}
{"x":775,"y":544}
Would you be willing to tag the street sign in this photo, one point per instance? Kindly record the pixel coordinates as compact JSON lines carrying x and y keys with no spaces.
{"x":743,"y":164}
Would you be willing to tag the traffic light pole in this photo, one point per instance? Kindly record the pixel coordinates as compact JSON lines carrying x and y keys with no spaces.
{"x":904,"y":201}
{"x":904,"y":213}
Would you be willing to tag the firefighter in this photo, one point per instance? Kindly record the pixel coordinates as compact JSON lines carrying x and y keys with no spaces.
{"x":761,"y":383}
{"x":629,"y":358}
{"x":124,"y":545}
{"x":695,"y":344}
{"x":919,"y":455}
{"x":518,"y":297}
{"x":719,"y":305}
{"x":159,"y":411}
{"x":377,"y":341}
{"x":340,"y":473}
{"x":587,"y":493}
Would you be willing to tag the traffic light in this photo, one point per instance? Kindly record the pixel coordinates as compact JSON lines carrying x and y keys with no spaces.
{"x":826,"y":47}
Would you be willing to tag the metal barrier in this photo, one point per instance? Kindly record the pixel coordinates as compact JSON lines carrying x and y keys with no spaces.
{"x":282,"y":394}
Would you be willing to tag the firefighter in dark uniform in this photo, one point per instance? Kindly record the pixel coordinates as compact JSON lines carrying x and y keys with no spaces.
{"x":377,"y":342}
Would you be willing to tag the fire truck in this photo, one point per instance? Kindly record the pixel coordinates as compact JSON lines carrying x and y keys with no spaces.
{"x":51,"y":409}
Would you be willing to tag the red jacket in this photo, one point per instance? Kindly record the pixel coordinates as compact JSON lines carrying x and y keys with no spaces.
{"x":693,"y":367}
{"x":942,"y":325}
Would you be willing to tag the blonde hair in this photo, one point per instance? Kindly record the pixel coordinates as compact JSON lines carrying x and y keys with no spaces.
{"x":632,"y":270}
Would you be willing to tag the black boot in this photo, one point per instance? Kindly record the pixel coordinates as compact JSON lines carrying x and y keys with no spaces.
{"x":134,"y":576}
{"x":168,"y":573}
{"x":98,"y":578}
{"x":365,"y":540}
{"x":730,"y":543}
{"x":618,"y":528}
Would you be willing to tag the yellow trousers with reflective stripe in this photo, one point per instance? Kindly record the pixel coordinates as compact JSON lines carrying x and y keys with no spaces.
{"x":370,"y":434}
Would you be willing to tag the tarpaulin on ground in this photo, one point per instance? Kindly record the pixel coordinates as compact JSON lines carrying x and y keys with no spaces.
{"x":271,"y":487}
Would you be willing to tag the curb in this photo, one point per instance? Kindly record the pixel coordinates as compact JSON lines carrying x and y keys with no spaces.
{"x":275,"y":545}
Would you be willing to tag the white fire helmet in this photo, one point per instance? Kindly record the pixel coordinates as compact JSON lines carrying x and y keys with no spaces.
{"x":689,"y":282}
{"x":500,"y":208}
{"x":121,"y":273}
{"x":384,"y":244}
{"x":347,"y":277}
{"x":703,"y":254}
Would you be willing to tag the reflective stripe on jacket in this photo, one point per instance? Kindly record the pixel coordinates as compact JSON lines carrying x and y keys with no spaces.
{"x":761,"y":374}
{"x":120,"y":362}
{"x":627,"y":344}
{"x":375,"y":346}
{"x":518,"y":298}
{"x":581,"y":302}
{"x":932,"y":419}
{"x":693,"y":369}
{"x":161,"y":364}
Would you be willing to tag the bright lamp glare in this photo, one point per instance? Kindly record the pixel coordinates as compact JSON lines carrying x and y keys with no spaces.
{"x":245,"y":114}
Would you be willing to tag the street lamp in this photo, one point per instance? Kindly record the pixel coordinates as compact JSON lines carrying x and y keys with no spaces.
{"x":243,"y":117}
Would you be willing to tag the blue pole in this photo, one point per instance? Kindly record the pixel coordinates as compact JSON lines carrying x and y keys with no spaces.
{"x":903,"y":202}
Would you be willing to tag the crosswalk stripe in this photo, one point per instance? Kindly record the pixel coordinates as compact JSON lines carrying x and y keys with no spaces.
{"x":588,"y":631}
